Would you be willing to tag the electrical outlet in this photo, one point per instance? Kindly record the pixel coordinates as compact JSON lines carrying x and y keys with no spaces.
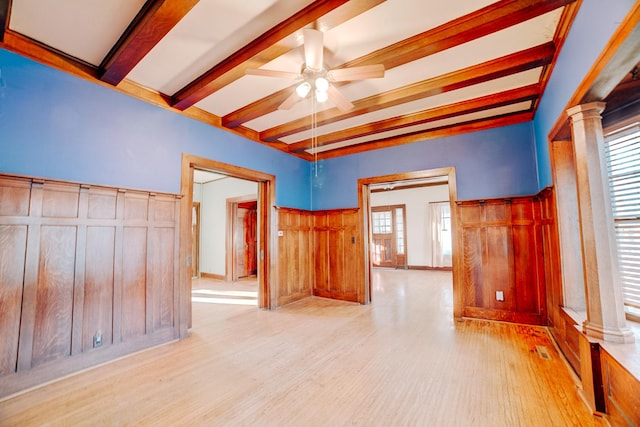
{"x":97,"y":340}
{"x":499,"y":296}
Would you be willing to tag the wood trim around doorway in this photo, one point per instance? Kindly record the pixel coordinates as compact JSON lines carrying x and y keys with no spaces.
{"x":266,"y":217}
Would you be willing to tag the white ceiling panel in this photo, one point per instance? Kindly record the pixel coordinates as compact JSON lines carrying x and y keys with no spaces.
{"x":85,"y":29}
{"x":208,"y":34}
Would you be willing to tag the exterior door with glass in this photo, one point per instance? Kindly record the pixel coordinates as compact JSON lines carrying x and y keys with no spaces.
{"x":389,"y":236}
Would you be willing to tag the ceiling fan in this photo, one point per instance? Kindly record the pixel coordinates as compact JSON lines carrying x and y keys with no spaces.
{"x":314,"y":75}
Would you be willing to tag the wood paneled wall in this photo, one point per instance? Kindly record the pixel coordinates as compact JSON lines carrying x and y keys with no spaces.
{"x":319,"y":253}
{"x":339,"y":262}
{"x":295,"y":255}
{"x":79,"y":262}
{"x":503,"y":243}
{"x":561,"y":323}
{"x":621,"y":392}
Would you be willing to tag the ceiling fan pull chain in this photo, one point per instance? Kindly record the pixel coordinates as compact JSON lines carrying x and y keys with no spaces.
{"x":314,"y":133}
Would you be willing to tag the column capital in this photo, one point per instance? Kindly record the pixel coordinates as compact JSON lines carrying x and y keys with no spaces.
{"x":590,"y":108}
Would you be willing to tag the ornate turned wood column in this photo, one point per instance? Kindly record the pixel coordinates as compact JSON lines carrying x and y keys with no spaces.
{"x":604,"y":302}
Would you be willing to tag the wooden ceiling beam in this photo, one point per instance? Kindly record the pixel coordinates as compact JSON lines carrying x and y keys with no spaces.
{"x":510,"y":64}
{"x":442,"y":132}
{"x":273,"y":43}
{"x":492,"y":18}
{"x":469,"y":106}
{"x":153,"y":22}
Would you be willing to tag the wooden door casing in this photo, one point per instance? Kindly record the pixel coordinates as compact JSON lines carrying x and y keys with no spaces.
{"x":195,"y":244}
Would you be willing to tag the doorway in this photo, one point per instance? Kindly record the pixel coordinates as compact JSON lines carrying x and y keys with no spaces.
{"x":242,"y":238}
{"x":265,"y":202}
{"x":407,"y":180}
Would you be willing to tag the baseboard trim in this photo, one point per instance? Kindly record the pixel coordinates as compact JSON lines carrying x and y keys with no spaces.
{"x":212,"y":276}
{"x":424,"y":267}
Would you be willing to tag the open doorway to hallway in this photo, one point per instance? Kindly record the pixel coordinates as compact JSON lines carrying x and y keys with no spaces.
{"x":225,"y":239}
{"x":411,"y":224}
{"x":261,"y":187}
{"x":409,"y":221}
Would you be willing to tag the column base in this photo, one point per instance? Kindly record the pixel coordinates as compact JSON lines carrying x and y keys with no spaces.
{"x":620,"y":336}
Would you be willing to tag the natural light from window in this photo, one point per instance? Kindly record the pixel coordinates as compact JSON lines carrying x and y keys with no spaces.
{"x":623,"y":166}
{"x":225,"y":297}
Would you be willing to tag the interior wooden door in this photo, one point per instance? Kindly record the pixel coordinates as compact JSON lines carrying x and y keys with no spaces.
{"x":245,"y":240}
{"x":251,"y":239}
{"x":239,"y":245}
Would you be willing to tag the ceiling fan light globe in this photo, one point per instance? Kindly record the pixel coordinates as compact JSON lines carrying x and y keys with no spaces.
{"x":321,"y":96}
{"x":303,"y":89}
{"x":322,"y":84}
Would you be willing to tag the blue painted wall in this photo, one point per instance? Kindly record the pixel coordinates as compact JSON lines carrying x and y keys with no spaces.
{"x":54,"y":125}
{"x":593,"y":27}
{"x":491,"y":163}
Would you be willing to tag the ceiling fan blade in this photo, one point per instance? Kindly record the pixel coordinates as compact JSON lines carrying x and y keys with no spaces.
{"x":313,"y":49}
{"x":356,"y":73}
{"x":339,"y":99}
{"x":290,"y":101}
{"x":272,"y":73}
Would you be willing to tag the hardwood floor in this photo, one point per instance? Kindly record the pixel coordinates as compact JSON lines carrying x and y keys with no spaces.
{"x":400,"y":361}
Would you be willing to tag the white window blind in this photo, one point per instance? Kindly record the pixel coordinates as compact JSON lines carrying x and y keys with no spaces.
{"x":623,"y":164}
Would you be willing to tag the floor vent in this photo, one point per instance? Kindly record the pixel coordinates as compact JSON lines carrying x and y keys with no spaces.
{"x":543,"y":352}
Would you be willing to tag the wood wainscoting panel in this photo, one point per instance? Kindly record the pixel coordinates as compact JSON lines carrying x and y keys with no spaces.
{"x":321,"y":253}
{"x":295,"y":255}
{"x":353,"y":264}
{"x":503,"y":259}
{"x":16,"y":197}
{"x":528,"y":256}
{"x":97,"y":304}
{"x":13,"y":243}
{"x":339,"y":263}
{"x":498,"y":268}
{"x":133,"y":282}
{"x":87,"y":274}
{"x":472,"y":265}
{"x":621,"y":392}
{"x":54,"y":295}
{"x":160,"y":289}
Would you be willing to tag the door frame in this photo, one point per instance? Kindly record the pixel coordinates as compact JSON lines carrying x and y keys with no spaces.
{"x":364,"y":205}
{"x":232,"y":207}
{"x":267,"y":248}
{"x":195,"y":261}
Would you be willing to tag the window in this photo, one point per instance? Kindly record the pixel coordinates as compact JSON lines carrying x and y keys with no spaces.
{"x":623,"y":166}
{"x":381,"y":222}
{"x":399,"y":230}
{"x":440,"y":234}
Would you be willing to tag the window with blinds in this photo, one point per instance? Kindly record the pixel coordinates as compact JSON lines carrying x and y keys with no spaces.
{"x":623,"y":164}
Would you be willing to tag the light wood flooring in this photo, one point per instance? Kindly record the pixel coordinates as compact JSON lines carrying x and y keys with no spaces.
{"x":401,"y":361}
